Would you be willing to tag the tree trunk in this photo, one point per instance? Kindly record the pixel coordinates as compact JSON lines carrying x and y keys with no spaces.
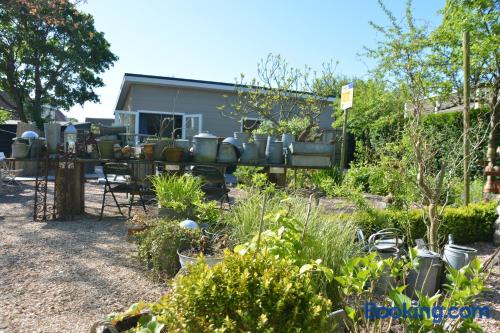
{"x":432,"y":232}
{"x":492,"y":139}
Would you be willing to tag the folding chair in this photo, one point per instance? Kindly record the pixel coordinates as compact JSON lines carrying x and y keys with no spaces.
{"x":8,"y":173}
{"x":119,"y":178}
{"x":214,"y":183}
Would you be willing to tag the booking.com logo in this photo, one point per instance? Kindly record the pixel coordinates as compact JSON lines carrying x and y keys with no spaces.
{"x":437,"y":313}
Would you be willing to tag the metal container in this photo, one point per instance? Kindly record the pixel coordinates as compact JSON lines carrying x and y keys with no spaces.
{"x":250,"y":153}
{"x":287,"y":139}
{"x":182,"y":143}
{"x":458,"y":256}
{"x":53,"y":136}
{"x":186,"y":260}
{"x":385,"y":281}
{"x":20,"y":149}
{"x":205,"y":147}
{"x":309,"y":160}
{"x":242,"y":136}
{"x":311,"y":148}
{"x":274,"y":151}
{"x":227,"y":153}
{"x":427,"y":278}
{"x":261,"y":143}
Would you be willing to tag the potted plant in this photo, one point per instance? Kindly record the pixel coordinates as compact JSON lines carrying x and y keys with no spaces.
{"x":209,"y":245}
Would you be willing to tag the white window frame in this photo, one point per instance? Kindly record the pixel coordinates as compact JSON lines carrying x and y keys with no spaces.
{"x":191,"y":115}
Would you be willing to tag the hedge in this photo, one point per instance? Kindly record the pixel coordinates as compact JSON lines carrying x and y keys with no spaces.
{"x":467,"y":224}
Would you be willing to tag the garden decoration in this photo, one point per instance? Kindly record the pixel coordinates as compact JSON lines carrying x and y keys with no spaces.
{"x":209,"y":246}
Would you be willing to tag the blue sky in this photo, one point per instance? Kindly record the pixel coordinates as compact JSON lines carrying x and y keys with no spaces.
{"x":217,"y":40}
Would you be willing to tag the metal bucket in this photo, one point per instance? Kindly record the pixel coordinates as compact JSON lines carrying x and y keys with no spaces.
{"x":227,"y":153}
{"x":205,"y":147}
{"x":385,"y":281}
{"x":250,"y":153}
{"x":20,"y":149}
{"x":261,"y":143}
{"x":287,"y":139}
{"x":427,"y":279}
{"x":458,"y":256}
{"x":242,"y":136}
{"x":274,"y":151}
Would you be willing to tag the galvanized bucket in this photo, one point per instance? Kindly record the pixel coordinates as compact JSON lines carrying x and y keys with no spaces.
{"x":274,"y":151}
{"x":227,"y":153}
{"x":250,"y":154}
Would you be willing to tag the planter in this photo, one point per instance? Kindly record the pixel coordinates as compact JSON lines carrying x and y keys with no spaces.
{"x":261,"y":143}
{"x":160,"y":146}
{"x":187,"y":260}
{"x":250,"y":153}
{"x":311,"y":148}
{"x":148,"y":151}
{"x":274,"y":151}
{"x":20,"y":149}
{"x":173,"y":154}
{"x":205,"y":147}
{"x":184,"y":144}
{"x":105,"y":148}
{"x":309,"y":160}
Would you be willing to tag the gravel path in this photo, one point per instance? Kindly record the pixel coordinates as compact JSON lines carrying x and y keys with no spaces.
{"x":64,"y":276}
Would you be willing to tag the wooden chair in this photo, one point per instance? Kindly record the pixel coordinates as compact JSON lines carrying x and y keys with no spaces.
{"x":119,"y":178}
{"x":214,"y":184}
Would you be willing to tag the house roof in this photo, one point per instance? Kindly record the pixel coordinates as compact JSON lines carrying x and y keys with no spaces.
{"x":130,"y":78}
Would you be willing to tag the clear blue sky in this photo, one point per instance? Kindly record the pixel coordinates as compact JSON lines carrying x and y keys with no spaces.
{"x":217,"y":40}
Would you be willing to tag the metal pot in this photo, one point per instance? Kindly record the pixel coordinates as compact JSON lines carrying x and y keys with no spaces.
{"x":205,"y":147}
{"x":250,"y":154}
{"x":227,"y":153}
{"x":274,"y":151}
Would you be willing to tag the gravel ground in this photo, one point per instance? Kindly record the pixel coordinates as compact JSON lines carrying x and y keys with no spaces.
{"x":64,"y":276}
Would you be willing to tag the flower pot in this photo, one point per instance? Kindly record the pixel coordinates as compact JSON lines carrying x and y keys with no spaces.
{"x":274,"y":151}
{"x":160,"y":145}
{"x":148,"y":151}
{"x":173,"y":154}
{"x":105,"y":148}
{"x":261,"y":143}
{"x":205,"y":147}
{"x":20,"y":149}
{"x":187,"y":260}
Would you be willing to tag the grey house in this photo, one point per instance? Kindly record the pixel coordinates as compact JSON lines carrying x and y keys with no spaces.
{"x":185,"y":107}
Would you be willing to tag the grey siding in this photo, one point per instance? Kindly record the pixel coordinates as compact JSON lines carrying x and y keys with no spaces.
{"x":191,"y":101}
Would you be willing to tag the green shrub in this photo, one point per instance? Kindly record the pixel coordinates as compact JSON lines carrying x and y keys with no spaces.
{"x":467,"y":224}
{"x":179,"y":193}
{"x":244,"y":294}
{"x":157,"y":246}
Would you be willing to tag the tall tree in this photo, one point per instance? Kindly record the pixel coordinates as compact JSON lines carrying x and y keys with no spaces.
{"x":481,"y":18}
{"x":284,"y":95}
{"x":50,"y":55}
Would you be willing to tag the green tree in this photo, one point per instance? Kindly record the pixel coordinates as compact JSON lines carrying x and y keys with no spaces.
{"x":284,"y":96}
{"x":376,"y":117}
{"x":50,"y":54}
{"x":482,"y":19}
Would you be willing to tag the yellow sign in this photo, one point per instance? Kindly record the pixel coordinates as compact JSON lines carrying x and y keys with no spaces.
{"x":346,"y":96}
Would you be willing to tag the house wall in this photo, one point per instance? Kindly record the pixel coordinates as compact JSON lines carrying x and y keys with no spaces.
{"x":192,"y":101}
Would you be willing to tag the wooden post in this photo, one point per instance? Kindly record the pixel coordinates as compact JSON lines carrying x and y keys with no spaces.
{"x":466,"y":51}
{"x":343,"y":151}
{"x":70,"y":190}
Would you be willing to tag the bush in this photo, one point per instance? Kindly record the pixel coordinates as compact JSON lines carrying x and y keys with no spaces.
{"x":244,"y":294}
{"x":467,"y":224}
{"x":157,"y":246}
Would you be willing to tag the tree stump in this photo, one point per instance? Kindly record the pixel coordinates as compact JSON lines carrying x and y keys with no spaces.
{"x":70,"y":190}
